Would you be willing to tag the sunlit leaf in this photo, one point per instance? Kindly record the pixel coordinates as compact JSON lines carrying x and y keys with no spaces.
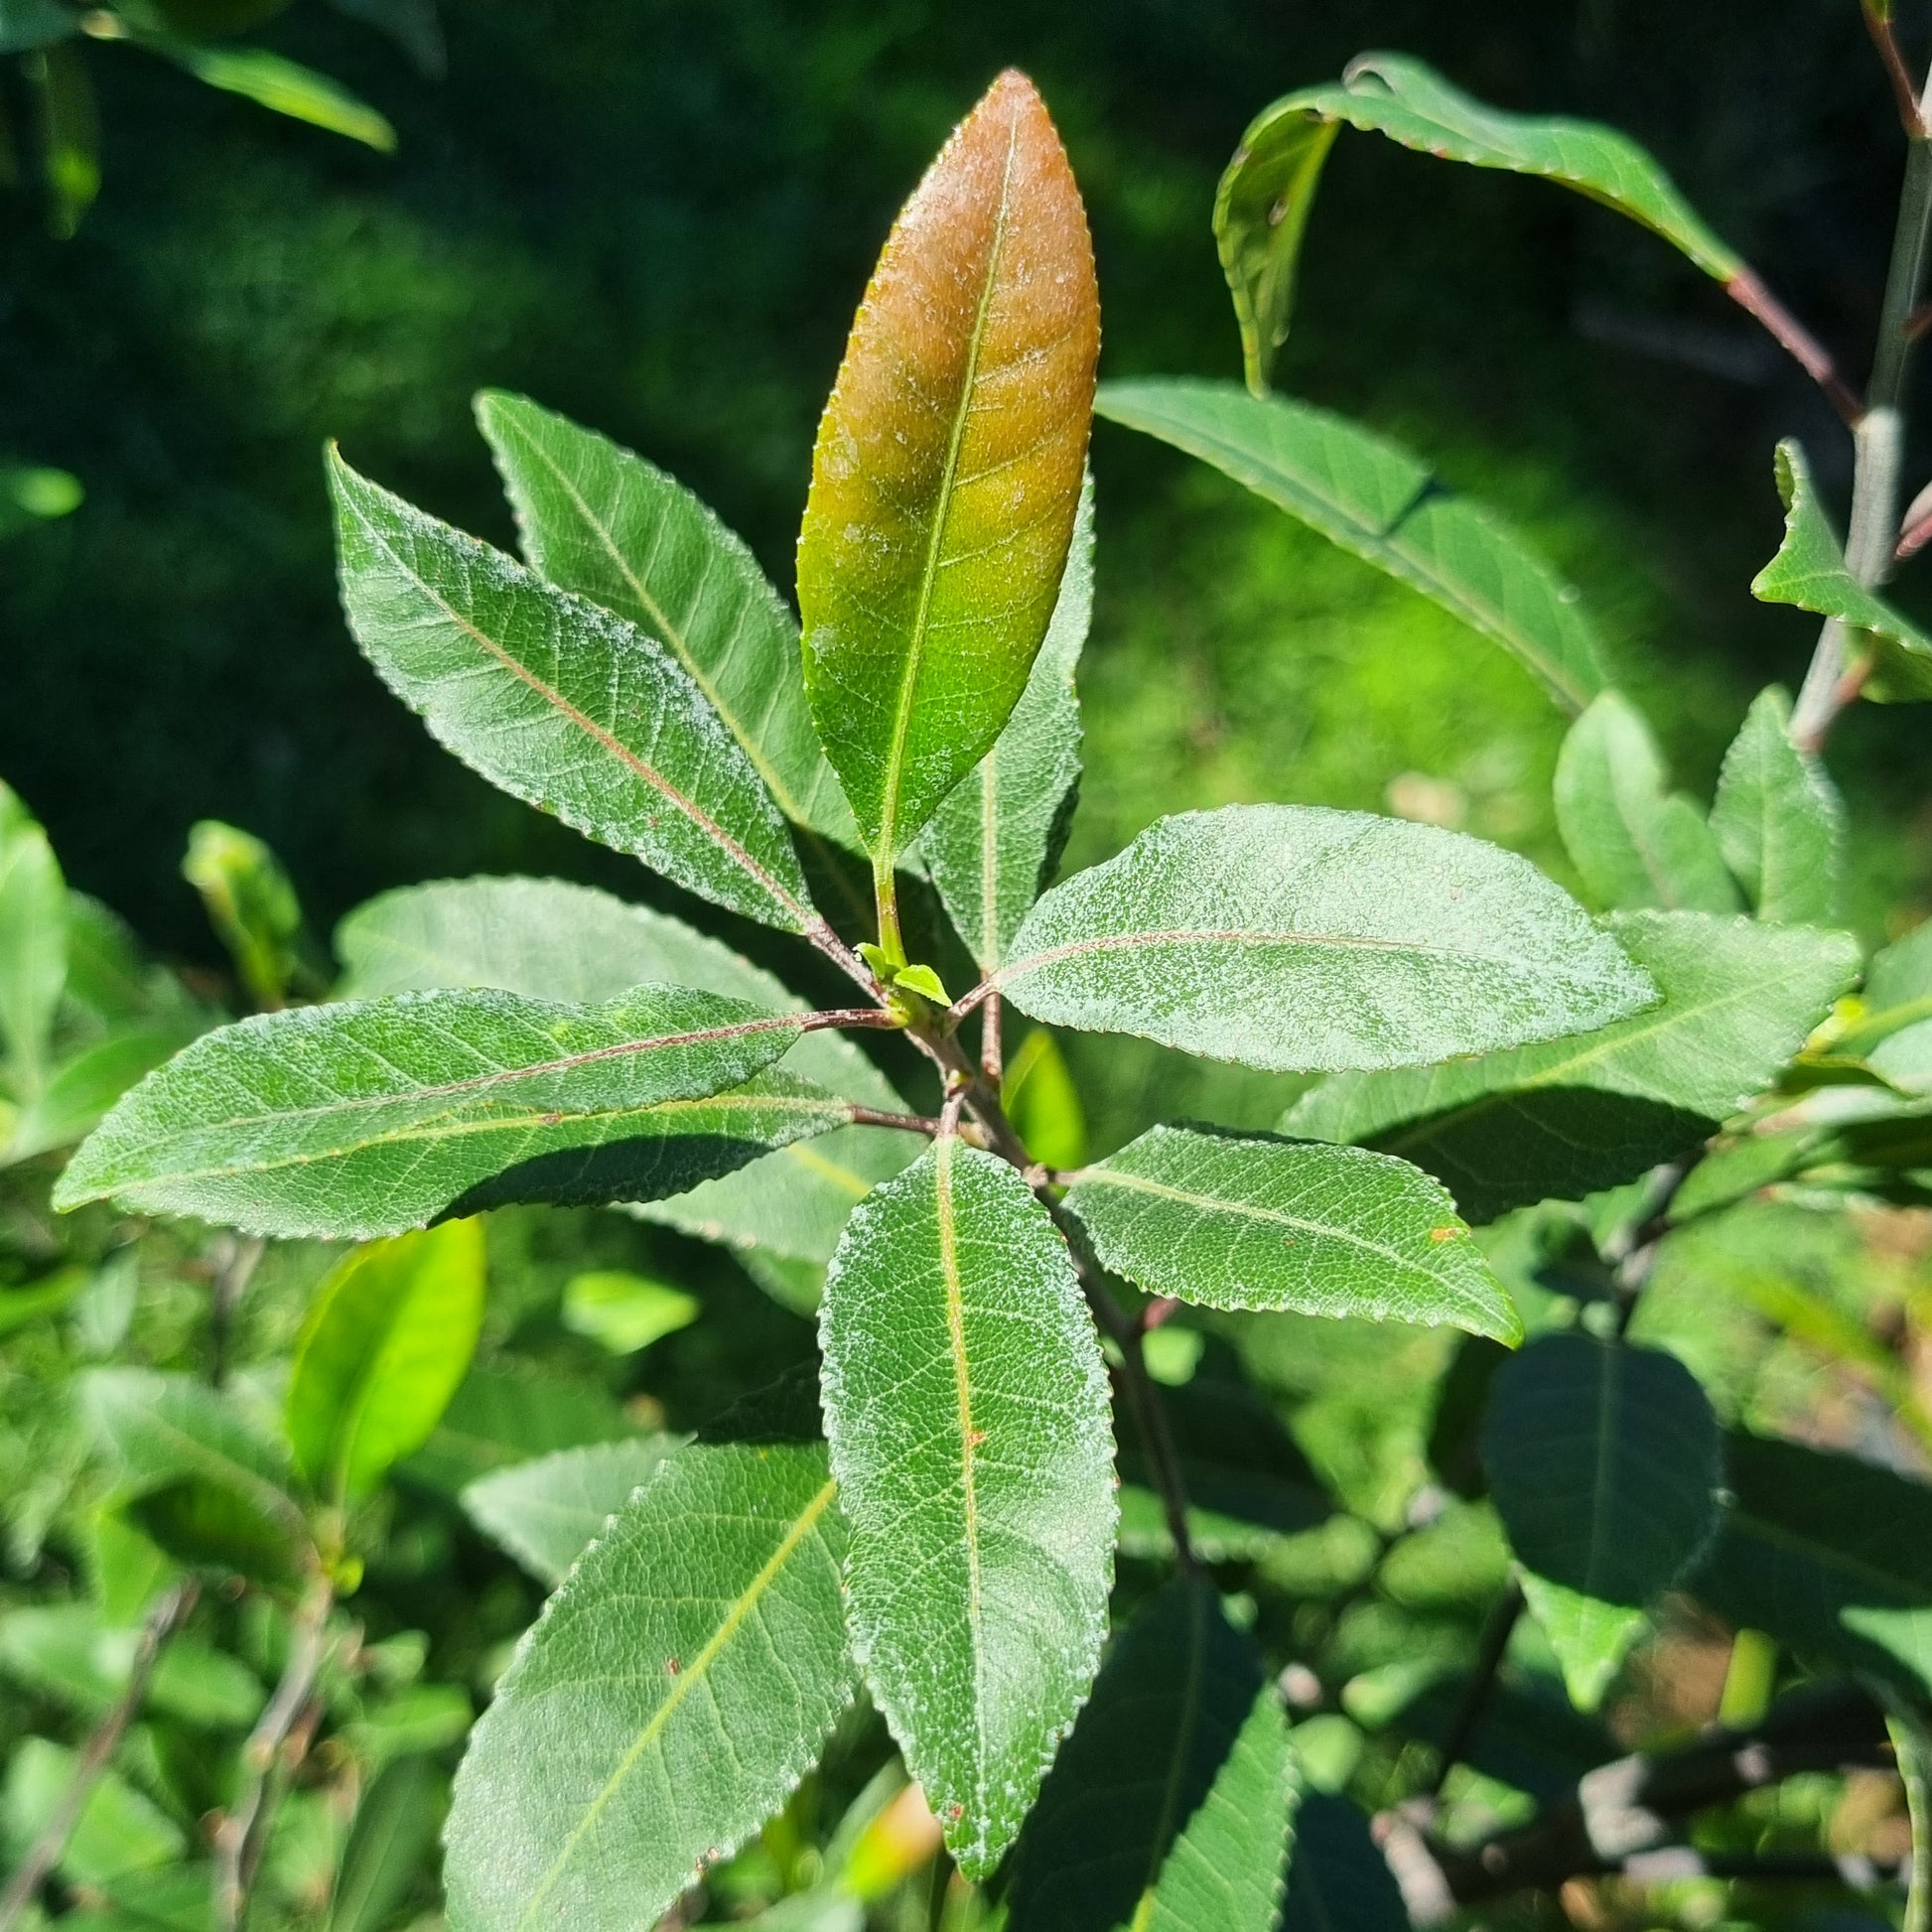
{"x":33,"y":944}
{"x":251,"y":904}
{"x":284,"y":87}
{"x":1591,"y":1637}
{"x":624,"y":1313}
{"x":1294,"y":938}
{"x":545,"y":1511}
{"x":1778,"y":818}
{"x":947,"y":468}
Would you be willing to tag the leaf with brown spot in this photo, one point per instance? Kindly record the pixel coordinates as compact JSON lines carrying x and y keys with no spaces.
{"x":947,"y":468}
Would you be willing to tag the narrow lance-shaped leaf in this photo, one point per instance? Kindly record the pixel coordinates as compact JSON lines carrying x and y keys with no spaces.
{"x":1235,"y":1222}
{"x":33,"y":943}
{"x":547,"y":1511}
{"x":1635,"y":844}
{"x":947,"y":468}
{"x":1564,"y":1119}
{"x":561,"y":703}
{"x":595,"y":519}
{"x":282,"y":86}
{"x":998,"y":832}
{"x":1380,"y":502}
{"x":672,"y":1694}
{"x":1810,"y":571}
{"x":1778,"y":820}
{"x":1261,"y":209}
{"x":366,"y":1119}
{"x":1294,"y":938}
{"x":389,"y":1338}
{"x":1169,"y":1809}
{"x":966,"y":1405}
{"x":251,"y":904}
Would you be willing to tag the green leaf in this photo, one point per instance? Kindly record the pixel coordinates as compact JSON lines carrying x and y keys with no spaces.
{"x":369,"y":1118}
{"x":1043,"y":1101}
{"x":119,"y":1831}
{"x":1339,"y":1876}
{"x":69,"y":128}
{"x":1591,"y":1637}
{"x":28,"y":24}
{"x":1234,"y":1222}
{"x":1567,"y":1119}
{"x":977,"y":1585}
{"x":74,"y":1653}
{"x":283,"y":87}
{"x":675,"y":1689}
{"x":561,"y":704}
{"x":389,"y":1843}
{"x":33,"y":944}
{"x":546,"y":1510}
{"x":1604,"y":1464}
{"x":505,"y":1413}
{"x":1169,"y":1809}
{"x":1810,"y":571}
{"x":625,"y":1312}
{"x":1262,"y":206}
{"x":947,"y":468}
{"x":81,"y":1089}
{"x":1635,"y":844}
{"x":1778,"y":818}
{"x":594,"y":519}
{"x":1293,"y":937}
{"x":208,"y":1526}
{"x":250,"y":904}
{"x":1832,"y":1557}
{"x":389,"y":1338}
{"x":1382,"y":503}
{"x":996,"y":837}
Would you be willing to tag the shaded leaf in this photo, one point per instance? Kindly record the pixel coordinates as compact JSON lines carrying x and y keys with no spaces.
{"x":674,"y":1691}
{"x":1567,"y":1119}
{"x":1043,"y":1101}
{"x":1289,"y":937}
{"x":1339,"y":1876}
{"x":33,"y":943}
{"x":996,"y":836}
{"x":27,"y":24}
{"x":1778,"y":818}
{"x":1262,"y":205}
{"x":365,"y":1119}
{"x":1382,"y":503}
{"x":1635,"y":844}
{"x":545,"y":1511}
{"x":1832,"y":1557}
{"x":947,"y":468}
{"x":119,"y":1831}
{"x":595,"y":519}
{"x":389,"y":1338}
{"x":505,"y":1413}
{"x":1810,"y":571}
{"x":207,"y":1525}
{"x":966,"y":1406}
{"x":561,"y":704}
{"x":389,"y":1843}
{"x":1235,"y":1222}
{"x":1604,"y":1464}
{"x":1169,"y":1809}
{"x":70,"y":125}
{"x":283,"y":87}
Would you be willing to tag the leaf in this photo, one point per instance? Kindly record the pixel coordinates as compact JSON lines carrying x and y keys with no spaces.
{"x":625,"y":1312}
{"x":282,"y":86}
{"x":69,"y":128}
{"x":1604,"y":1464}
{"x":553,"y":940}
{"x":81,"y":1089}
{"x":392,"y":1837}
{"x":1832,"y":1557}
{"x":1810,"y":571}
{"x":1262,"y":205}
{"x":546,"y":1510}
{"x":977,"y":1585}
{"x":33,"y":943}
{"x":1043,"y":1101}
{"x":119,"y":1831}
{"x":1635,"y":844}
{"x":1293,"y":937}
{"x":1233,"y":1222}
{"x":1169,"y":1808}
{"x":1380,"y":502}
{"x":1567,"y":1119}
{"x":1339,"y":1875}
{"x":389,"y":1338}
{"x":365,"y":1119}
{"x":996,"y":837}
{"x":672,"y":1694}
{"x":1778,"y":820}
{"x":505,"y":1413}
{"x":250,"y":904}
{"x":71,"y":1652}
{"x":561,"y":704}
{"x":594,"y":519}
{"x":947,"y":468}
{"x":1591,"y":1637}
{"x":28,"y":24}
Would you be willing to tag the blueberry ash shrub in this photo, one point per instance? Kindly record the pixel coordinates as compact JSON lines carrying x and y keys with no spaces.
{"x":1035,"y":1511}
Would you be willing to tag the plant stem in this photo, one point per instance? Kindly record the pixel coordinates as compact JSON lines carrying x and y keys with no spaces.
{"x":1878,"y":26}
{"x":230,"y":1283}
{"x":41,"y":1856}
{"x":1497,"y":1633}
{"x":884,"y":890}
{"x":1832,"y":681}
{"x":992,"y":1054}
{"x":234,"y":1839}
{"x":1913,"y":1747}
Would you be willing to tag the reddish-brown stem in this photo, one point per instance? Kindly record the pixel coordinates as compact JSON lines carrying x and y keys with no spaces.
{"x":880,"y":1017}
{"x":906,"y":1123}
{"x":1750,"y":293}
{"x":992,"y":1054}
{"x":1878,"y":26}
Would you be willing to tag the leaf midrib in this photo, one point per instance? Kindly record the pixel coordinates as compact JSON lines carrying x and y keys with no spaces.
{"x":681,"y":1686}
{"x":948,"y":477}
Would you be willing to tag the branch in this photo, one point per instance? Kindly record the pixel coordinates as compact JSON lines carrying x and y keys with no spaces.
{"x":1623,"y":1817}
{"x":1878,"y":26}
{"x":1748,"y":291}
{"x":1497,"y":1633}
{"x":44,"y":1854}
